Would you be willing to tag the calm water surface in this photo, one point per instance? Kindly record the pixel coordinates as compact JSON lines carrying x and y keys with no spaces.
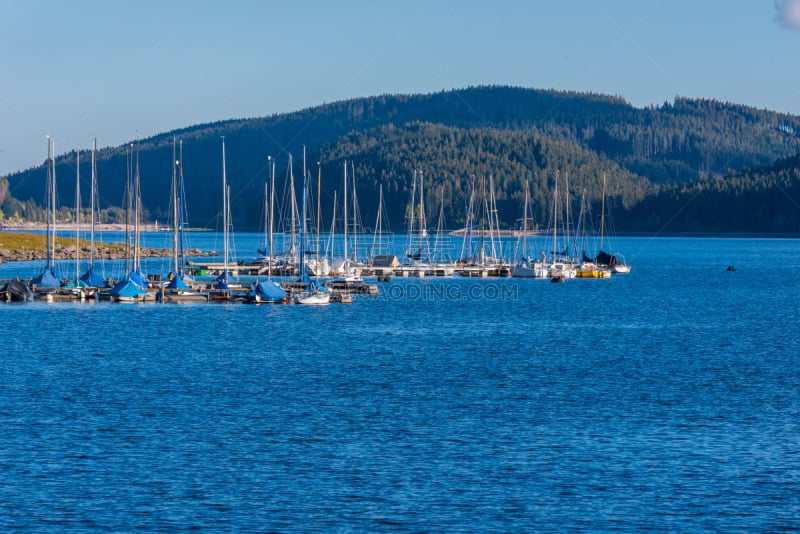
{"x":664,"y":400}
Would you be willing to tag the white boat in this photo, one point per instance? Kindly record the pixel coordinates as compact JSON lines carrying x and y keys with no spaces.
{"x":344,"y":268}
{"x":525,"y":267}
{"x":558,"y":269}
{"x":620,"y":268}
{"x":313,"y":297}
{"x":312,"y":294}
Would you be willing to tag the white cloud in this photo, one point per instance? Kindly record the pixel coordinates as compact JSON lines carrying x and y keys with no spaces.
{"x":790,"y":14}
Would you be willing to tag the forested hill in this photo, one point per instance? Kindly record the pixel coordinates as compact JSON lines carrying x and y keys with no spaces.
{"x":764,"y":200}
{"x":673,"y":143}
{"x":456,"y":161}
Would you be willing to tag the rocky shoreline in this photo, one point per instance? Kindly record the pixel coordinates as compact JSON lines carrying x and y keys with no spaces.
{"x":109,"y":252}
{"x":83,"y":227}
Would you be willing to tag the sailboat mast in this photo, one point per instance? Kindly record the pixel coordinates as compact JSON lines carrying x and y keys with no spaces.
{"x":330,"y":246}
{"x":355,"y":211}
{"x":137,"y":212}
{"x":466,"y":245}
{"x":422,"y":221}
{"x":555,"y":217}
{"x":602,"y":211}
{"x":305,"y":201}
{"x":438,"y":254}
{"x":77,"y":215}
{"x":525,"y":223}
{"x":51,"y":205}
{"x":567,"y":215}
{"x":319,"y":213}
{"x":174,"y":208}
{"x":93,"y":200}
{"x":271,"y":202}
{"x":292,"y":209}
{"x":377,"y":233}
{"x":344,"y":266}
{"x":409,"y":250}
{"x":344,"y":197}
{"x":303,"y":223}
{"x":224,"y":215}
{"x":481,"y":251}
{"x":128,"y":207}
{"x":492,"y":217}
{"x":181,"y":212}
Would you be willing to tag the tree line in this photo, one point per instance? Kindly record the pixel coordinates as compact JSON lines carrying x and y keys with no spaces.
{"x":456,"y":138}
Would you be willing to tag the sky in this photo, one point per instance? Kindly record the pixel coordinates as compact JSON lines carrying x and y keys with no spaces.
{"x":119,"y":71}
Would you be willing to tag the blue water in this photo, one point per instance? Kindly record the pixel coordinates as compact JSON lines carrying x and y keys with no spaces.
{"x":665,"y":400}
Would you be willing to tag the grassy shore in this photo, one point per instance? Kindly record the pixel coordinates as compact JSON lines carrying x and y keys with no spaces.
{"x":21,"y":246}
{"x":22,"y":241}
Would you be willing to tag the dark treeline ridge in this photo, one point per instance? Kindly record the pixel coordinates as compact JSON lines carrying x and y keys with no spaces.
{"x":454,"y":161}
{"x":512,"y":134}
{"x":764,"y":200}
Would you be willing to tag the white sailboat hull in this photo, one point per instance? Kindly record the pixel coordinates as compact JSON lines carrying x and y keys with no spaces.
{"x":313,"y":298}
{"x":528,"y":271}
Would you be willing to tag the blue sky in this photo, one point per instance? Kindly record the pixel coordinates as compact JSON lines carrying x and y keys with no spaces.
{"x":120,"y":71}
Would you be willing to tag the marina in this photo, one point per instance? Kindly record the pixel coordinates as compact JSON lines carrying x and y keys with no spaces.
{"x":201,"y":274}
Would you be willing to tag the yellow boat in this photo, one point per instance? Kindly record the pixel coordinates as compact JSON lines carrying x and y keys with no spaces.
{"x":589,"y":270}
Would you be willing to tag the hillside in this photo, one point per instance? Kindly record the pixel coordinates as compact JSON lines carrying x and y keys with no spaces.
{"x":762,"y":200}
{"x":454,"y":160}
{"x":670,"y":144}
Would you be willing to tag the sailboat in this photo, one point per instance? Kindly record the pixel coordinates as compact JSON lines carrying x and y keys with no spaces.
{"x":50,"y":278}
{"x":526,"y":267}
{"x":268,"y":291}
{"x":177,"y":290}
{"x":481,"y":264}
{"x":76,"y":288}
{"x":14,"y":291}
{"x":312,"y":293}
{"x":286,"y":262}
{"x":222,"y":289}
{"x":91,"y":277}
{"x":614,"y":263}
{"x":380,"y":261}
{"x":347,"y":272}
{"x":558,"y":269}
{"x":417,"y":253}
{"x":133,"y":287}
{"x":587,"y":268}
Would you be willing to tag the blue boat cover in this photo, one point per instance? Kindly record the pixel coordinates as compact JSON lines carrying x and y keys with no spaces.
{"x":268,"y":291}
{"x":127,"y":288}
{"x":221,"y":284}
{"x":138,"y":278}
{"x":176,"y":282}
{"x":73,"y":284}
{"x":93,"y":279}
{"x":305,"y":279}
{"x":49,"y":278}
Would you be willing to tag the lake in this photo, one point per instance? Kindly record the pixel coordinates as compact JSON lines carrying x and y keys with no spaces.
{"x":667,"y":399}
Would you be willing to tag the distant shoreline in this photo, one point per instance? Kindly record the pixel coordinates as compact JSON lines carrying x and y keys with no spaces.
{"x":155,"y":227}
{"x":85,"y":227}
